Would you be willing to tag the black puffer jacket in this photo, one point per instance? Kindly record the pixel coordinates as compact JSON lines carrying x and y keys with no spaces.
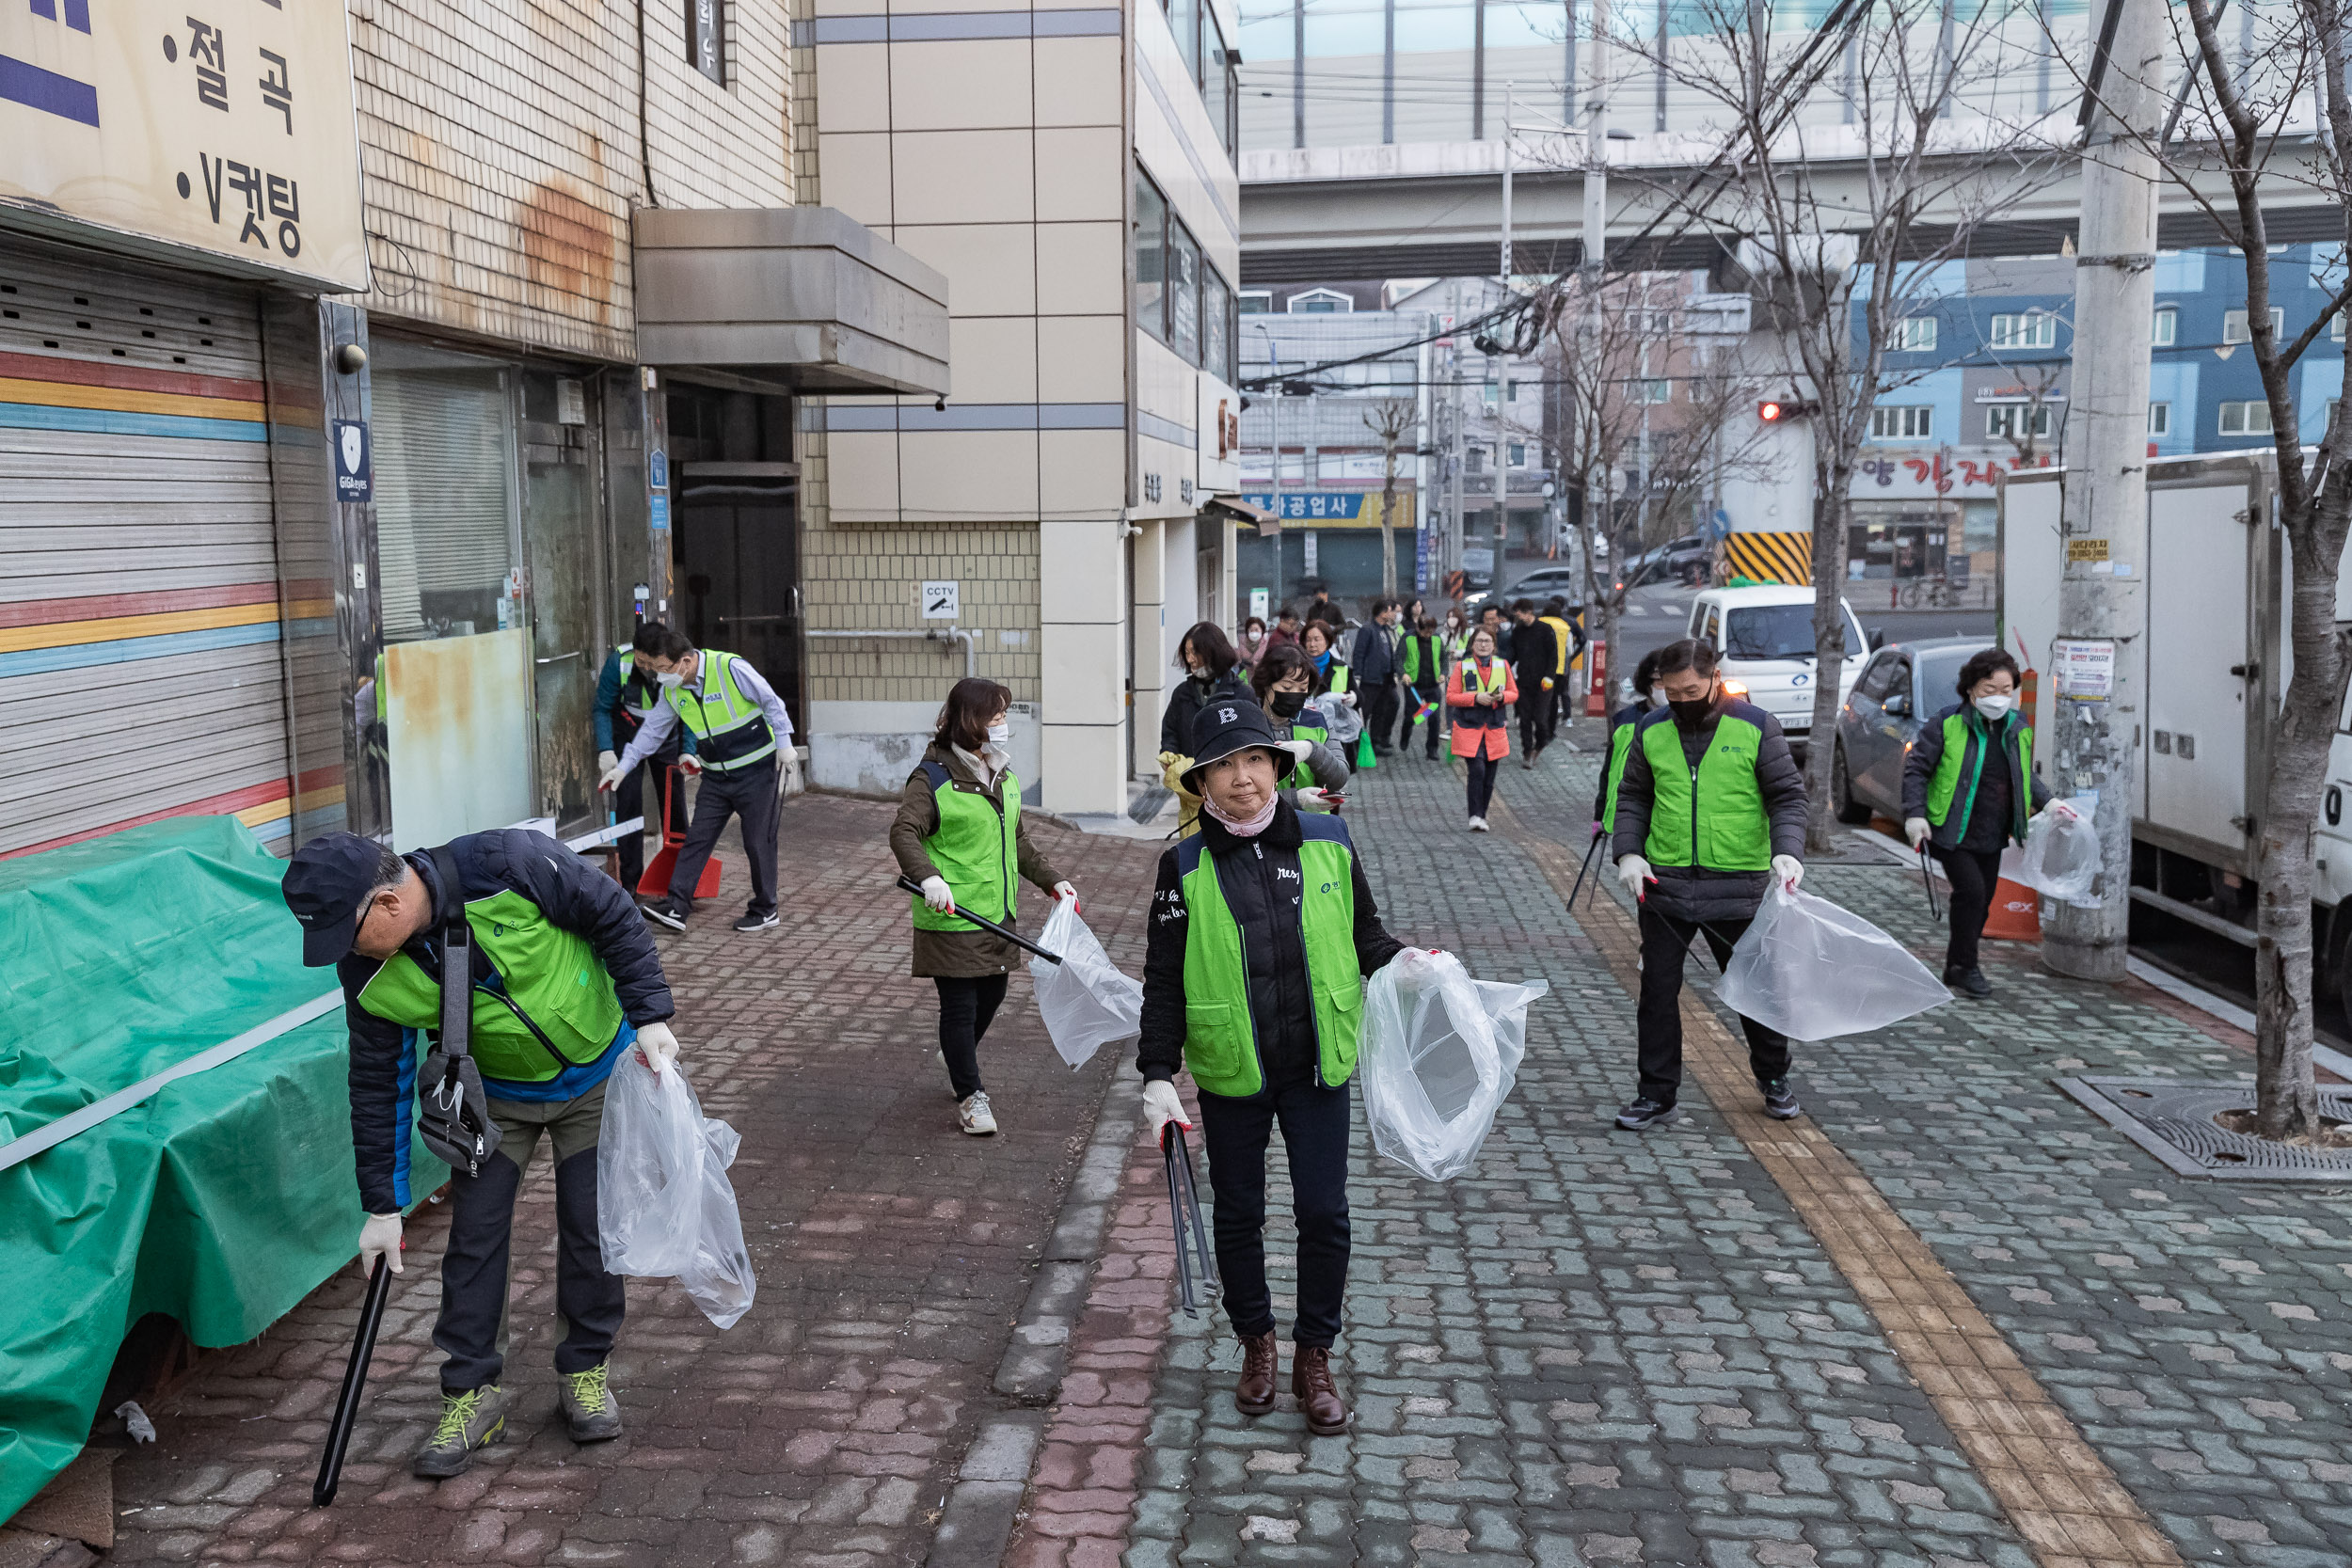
{"x":1191,"y":695}
{"x":573,"y":893}
{"x":1260,"y":882}
{"x":1696,"y":892}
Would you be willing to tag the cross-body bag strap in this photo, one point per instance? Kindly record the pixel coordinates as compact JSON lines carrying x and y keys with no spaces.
{"x":456,"y":957}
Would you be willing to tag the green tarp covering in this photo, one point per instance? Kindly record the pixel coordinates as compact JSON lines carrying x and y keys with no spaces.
{"x":223,"y":1198}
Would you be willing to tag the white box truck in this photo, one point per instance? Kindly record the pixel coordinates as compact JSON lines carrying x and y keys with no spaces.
{"x":2210,"y":673}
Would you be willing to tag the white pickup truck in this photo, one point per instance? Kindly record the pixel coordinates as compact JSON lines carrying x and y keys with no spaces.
{"x":1763,"y":638}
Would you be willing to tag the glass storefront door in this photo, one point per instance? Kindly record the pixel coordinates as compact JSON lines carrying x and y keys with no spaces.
{"x":560,"y":540}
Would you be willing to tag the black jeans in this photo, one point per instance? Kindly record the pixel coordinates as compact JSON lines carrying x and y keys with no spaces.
{"x":1665,"y":941}
{"x":1381,"y":719}
{"x":1973,"y":874}
{"x":1235,"y":1133}
{"x":1534,"y":710}
{"x":749,"y":792}
{"x":1482,"y":783}
{"x":639,"y":793}
{"x":967,"y":1004}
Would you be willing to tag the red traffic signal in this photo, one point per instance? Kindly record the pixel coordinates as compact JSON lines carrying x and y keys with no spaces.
{"x":1768,"y":412}
{"x":1776,"y":410}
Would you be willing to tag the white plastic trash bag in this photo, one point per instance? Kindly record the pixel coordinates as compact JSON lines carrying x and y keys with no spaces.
{"x":664,"y":1207}
{"x":1085,"y":1000}
{"x":1813,"y":971}
{"x":1436,"y":1057}
{"x":2061,"y":859}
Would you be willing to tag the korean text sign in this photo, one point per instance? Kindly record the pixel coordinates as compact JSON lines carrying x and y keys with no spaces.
{"x":221,"y":124}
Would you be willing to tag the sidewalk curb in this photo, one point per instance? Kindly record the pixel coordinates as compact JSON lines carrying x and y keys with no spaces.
{"x":993,"y":1478}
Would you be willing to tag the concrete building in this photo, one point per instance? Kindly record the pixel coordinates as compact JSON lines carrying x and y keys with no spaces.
{"x":1070,"y":171}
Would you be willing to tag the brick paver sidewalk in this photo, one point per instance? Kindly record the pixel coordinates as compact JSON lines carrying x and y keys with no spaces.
{"x":892,"y":1253}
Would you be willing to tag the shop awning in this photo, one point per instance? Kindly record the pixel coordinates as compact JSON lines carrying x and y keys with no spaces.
{"x":801,"y":298}
{"x":1244,"y":512}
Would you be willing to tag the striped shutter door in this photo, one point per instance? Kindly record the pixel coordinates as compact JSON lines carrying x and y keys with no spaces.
{"x":139,"y":663}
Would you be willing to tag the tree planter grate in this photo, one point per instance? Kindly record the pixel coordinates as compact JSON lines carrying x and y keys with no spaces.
{"x":2173,"y":1120}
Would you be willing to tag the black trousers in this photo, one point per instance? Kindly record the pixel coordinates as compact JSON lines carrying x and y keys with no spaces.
{"x":475,"y":1268}
{"x":639,"y":793}
{"x":967,"y":1005}
{"x":749,"y":792}
{"x":1665,"y":941}
{"x":1235,"y":1133}
{"x":1534,"y":709}
{"x":1973,"y":873}
{"x":1482,"y":783}
{"x":1381,"y":721}
{"x":1434,"y":723}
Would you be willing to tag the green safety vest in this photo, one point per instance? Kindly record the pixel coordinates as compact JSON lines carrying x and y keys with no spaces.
{"x":557,"y":1008}
{"x":1339,"y":669}
{"x":1711,"y":816}
{"x":1620,"y":747}
{"x":976,"y":849}
{"x":1221,"y":1036}
{"x":729,"y":729}
{"x":639,"y":692}
{"x":1965,"y":751}
{"x":1413,"y":657}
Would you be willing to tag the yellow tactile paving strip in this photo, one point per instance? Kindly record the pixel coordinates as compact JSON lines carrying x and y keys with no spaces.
{"x":2055,"y":1488}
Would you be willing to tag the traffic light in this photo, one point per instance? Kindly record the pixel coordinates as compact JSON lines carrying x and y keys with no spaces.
{"x":1780,"y":410}
{"x":1770,"y":412}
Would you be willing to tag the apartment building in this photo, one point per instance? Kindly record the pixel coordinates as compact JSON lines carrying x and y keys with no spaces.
{"x":1069,"y":507}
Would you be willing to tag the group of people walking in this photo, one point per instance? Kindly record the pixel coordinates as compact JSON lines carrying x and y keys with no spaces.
{"x":1263,"y":927}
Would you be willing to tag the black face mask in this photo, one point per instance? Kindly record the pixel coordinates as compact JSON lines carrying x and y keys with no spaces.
{"x":1690,"y":714}
{"x":1287,"y":703}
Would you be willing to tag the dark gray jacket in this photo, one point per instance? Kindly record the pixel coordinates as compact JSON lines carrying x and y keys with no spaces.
{"x":1697,"y":891}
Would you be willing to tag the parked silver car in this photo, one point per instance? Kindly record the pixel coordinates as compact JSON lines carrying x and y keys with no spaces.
{"x":1900,"y":690}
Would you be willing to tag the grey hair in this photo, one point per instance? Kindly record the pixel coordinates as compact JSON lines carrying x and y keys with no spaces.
{"x":390,"y":870}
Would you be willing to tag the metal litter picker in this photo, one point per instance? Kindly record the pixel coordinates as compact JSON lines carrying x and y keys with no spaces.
{"x":1196,"y":1261}
{"x":1004,"y":931}
{"x":355,"y":1384}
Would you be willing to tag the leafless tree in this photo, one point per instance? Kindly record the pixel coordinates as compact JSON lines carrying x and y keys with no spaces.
{"x":2275,"y":124}
{"x":1393,"y":420}
{"x":1842,"y":226}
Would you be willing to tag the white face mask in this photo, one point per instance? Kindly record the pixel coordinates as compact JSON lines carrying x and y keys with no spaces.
{"x":670,"y":678}
{"x":1995,"y":706}
{"x":1658,"y":696}
{"x":999,"y":734}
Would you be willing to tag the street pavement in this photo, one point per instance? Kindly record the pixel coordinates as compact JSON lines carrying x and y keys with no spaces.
{"x":1947,"y":1320}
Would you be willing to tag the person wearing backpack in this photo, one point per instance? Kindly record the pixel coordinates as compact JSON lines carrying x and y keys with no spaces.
{"x":1709,"y":811}
{"x":1964,"y":807}
{"x":1262,"y":930}
{"x":565,"y":978}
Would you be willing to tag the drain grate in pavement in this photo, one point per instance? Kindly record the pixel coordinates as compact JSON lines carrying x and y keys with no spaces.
{"x":2173,"y":1120}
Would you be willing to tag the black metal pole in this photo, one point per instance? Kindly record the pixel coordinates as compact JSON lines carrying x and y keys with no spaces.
{"x":355,"y":1384}
{"x":1004,"y":931}
{"x":1199,"y":1221}
{"x":1172,"y":1139}
{"x":1581,"y":870}
{"x":1927,"y":878}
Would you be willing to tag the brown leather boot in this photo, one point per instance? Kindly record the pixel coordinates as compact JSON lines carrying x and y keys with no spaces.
{"x":1261,"y":1363}
{"x":1318,"y":1399}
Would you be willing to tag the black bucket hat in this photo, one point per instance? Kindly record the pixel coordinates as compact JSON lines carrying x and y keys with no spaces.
{"x":1224,"y":726}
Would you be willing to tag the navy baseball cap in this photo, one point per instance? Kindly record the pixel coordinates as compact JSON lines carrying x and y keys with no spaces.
{"x":326,"y":883}
{"x":1225,"y":725}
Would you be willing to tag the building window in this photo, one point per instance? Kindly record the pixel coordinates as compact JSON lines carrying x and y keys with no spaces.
{"x":1257,"y":302}
{"x":1217,"y":329}
{"x":1655,"y":389}
{"x":1474,"y":459}
{"x":2336,"y":325}
{"x":2164,"y":330}
{"x":1151,"y":258}
{"x":1183,"y":20}
{"x":1184,"y":293}
{"x":2009,"y":422}
{"x":2025,"y":329}
{"x":2159,"y":419}
{"x":1916,"y":334}
{"x":2246,"y":419}
{"x":1320,"y":302}
{"x":1516,"y":452}
{"x":1902,"y":424}
{"x":706,"y":38}
{"x":1220,"y":89}
{"x":2237,"y":329}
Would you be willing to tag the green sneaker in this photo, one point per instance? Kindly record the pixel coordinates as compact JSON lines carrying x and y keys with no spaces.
{"x":589,"y":1406}
{"x":472,"y":1419}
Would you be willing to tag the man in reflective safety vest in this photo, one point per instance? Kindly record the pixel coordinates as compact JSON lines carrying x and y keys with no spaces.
{"x":626,"y":694}
{"x":742,"y":752}
{"x":564,"y":979}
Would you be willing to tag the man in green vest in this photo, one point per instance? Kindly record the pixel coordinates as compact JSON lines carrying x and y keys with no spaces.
{"x":626,"y":694}
{"x":564,"y":979}
{"x":1711,"y":809}
{"x":743,"y":755}
{"x":1262,"y":930}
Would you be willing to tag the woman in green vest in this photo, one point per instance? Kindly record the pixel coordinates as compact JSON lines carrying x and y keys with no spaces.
{"x":1263,"y":929}
{"x":1332,"y":674}
{"x":1621,"y":724}
{"x":1710,"y":810}
{"x":959,"y":833}
{"x":1968,"y":788}
{"x":1422,"y":663}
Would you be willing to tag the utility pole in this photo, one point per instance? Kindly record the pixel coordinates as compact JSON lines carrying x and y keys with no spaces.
{"x":1595,"y":248}
{"x":1510,"y":108}
{"x":2096,"y":704}
{"x":1456,"y":448}
{"x":1274,"y":418}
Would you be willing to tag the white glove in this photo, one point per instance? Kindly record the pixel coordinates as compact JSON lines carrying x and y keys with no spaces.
{"x":793,"y":783}
{"x":380,"y":1237}
{"x":613,"y":771}
{"x":1789,"y":869}
{"x":937,"y":896}
{"x":1314,"y":797}
{"x":606,"y":761}
{"x":1161,"y":1106}
{"x":1916,"y":830}
{"x":1067,"y":890}
{"x":657,"y":1047}
{"x":1299,"y":750}
{"x":689,"y":764}
{"x":1413,"y":964}
{"x":1633,"y":871}
{"x":2061,"y":812}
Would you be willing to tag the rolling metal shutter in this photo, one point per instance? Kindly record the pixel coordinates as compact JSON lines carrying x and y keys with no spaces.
{"x":139,"y":661}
